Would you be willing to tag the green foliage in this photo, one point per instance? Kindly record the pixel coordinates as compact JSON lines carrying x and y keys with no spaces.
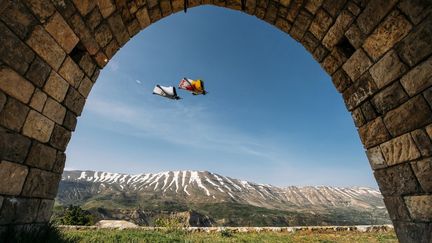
{"x":34,"y":234}
{"x":226,"y":233}
{"x":74,"y":215}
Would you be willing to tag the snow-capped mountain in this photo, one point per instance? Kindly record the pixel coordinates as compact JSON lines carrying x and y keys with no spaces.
{"x":207,"y":187}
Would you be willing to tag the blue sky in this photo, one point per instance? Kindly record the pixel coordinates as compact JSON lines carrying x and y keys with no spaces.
{"x":271,"y":116}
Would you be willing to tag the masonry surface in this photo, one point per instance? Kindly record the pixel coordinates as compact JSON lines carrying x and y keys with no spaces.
{"x":378,"y":54}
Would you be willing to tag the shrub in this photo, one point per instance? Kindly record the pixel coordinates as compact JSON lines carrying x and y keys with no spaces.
{"x":74,"y":215}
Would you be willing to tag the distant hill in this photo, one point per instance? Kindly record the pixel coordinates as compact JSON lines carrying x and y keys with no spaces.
{"x":220,"y":199}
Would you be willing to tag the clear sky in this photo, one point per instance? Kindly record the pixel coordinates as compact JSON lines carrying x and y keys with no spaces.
{"x":271,"y":116}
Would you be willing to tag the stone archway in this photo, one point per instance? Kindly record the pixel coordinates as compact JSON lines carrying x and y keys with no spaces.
{"x":378,"y":54}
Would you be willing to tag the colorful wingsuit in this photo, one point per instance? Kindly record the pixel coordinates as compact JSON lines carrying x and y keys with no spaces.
{"x":196,"y":87}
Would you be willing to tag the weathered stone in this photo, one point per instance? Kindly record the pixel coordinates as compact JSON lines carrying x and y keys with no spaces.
{"x":293,"y":11}
{"x":60,"y":138}
{"x":416,"y":10}
{"x":423,"y":142}
{"x":283,"y":25}
{"x":143,"y":17}
{"x":94,"y":19}
{"x":419,"y":78}
{"x":313,"y":5}
{"x":333,"y":6}
{"x":74,"y":101}
{"x":43,"y":9}
{"x":420,"y":207}
{"x":362,"y":89}
{"x":84,"y":7}
{"x":358,"y":117}
{"x":413,"y":114}
{"x":386,"y":35}
{"x":13,"y":146}
{"x":373,"y":133}
{"x":38,"y":72}
{"x":396,"y":208}
{"x":54,"y":111}
{"x":119,"y":29}
{"x":14,"y":85}
{"x":85,"y":86}
{"x":423,"y":171}
{"x":87,"y":64}
{"x":416,"y":46}
{"x":13,"y":115}
{"x":2,"y":100}
{"x":38,"y":100}
{"x":103,"y":35}
{"x":44,"y":45}
{"x":12,"y":177}
{"x":155,"y":14}
{"x":165,"y":6}
{"x":71,"y":72}
{"x":106,"y":7}
{"x":388,"y":69}
{"x":45,"y":210}
{"x":429,"y":130}
{"x":389,"y":98}
{"x":18,"y":210}
{"x":300,"y":25}
{"x":320,"y":52}
{"x":428,"y":95}
{"x":357,"y":64}
{"x":374,"y":12}
{"x":70,"y":121}
{"x":84,"y":34}
{"x":111,"y":49}
{"x":337,"y":31}
{"x":413,"y":232}
{"x":353,"y":8}
{"x":376,"y":158}
{"x":320,"y":24}
{"x":177,"y":5}
{"x":41,"y":183}
{"x":368,"y":111}
{"x":62,"y":33}
{"x":397,"y":180}
{"x":56,"y":87}
{"x":59,"y":163}
{"x":38,"y":126}
{"x":101,"y":59}
{"x":310,"y":42}
{"x":133,"y":27}
{"x":13,"y":51}
{"x":18,"y":18}
{"x":355,"y":36}
{"x":41,"y":156}
{"x":95,"y":75}
{"x":333,"y":61}
{"x":399,"y":150}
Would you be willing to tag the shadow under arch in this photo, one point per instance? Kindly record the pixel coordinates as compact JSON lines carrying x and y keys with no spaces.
{"x":377,"y":54}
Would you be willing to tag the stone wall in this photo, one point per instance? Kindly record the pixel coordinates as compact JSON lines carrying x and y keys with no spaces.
{"x":378,"y":54}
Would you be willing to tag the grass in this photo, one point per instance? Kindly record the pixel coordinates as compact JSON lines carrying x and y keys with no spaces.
{"x":129,"y":235}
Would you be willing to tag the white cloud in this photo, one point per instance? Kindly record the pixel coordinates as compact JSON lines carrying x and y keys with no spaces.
{"x":138,"y":81}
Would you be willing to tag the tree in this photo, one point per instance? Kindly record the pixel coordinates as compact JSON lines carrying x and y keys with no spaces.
{"x":74,"y":215}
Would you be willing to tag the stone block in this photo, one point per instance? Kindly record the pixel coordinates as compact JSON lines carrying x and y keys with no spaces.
{"x":60,"y":138}
{"x":333,"y":6}
{"x":2,"y":100}
{"x":111,"y":49}
{"x":368,"y":111}
{"x":71,"y":72}
{"x":413,"y":114}
{"x":423,"y":172}
{"x":85,"y":86}
{"x":177,"y":5}
{"x":320,"y":24}
{"x":19,"y":19}
{"x":416,"y":10}
{"x":310,"y":42}
{"x":101,"y":59}
{"x":374,"y":133}
{"x":355,"y":36}
{"x":353,"y":8}
{"x":84,"y":34}
{"x":397,"y":180}
{"x":15,"y":85}
{"x":419,"y":78}
{"x":165,"y":6}
{"x":396,"y":208}
{"x":13,"y":115}
{"x":38,"y":127}
{"x":393,"y":29}
{"x":38,"y":72}
{"x":103,"y":34}
{"x":59,"y":163}
{"x":387,"y":69}
{"x":94,"y":19}
{"x":320,"y":52}
{"x":143,"y":17}
{"x":413,"y":232}
{"x":84,"y":7}
{"x":358,"y":117}
{"x":376,"y":158}
{"x":337,"y":31}
{"x":62,"y":33}
{"x":87,"y":64}
{"x":359,"y":91}
{"x":293,"y":10}
{"x":300,"y":25}
{"x":70,"y":121}
{"x":423,"y":142}
{"x":416,"y":46}
{"x":118,"y":28}
{"x":95,"y":75}
{"x":333,"y":61}
{"x":283,"y":25}
{"x":374,"y":12}
{"x":41,"y":183}
{"x":13,"y":51}
{"x":45,"y":210}
{"x":12,"y":177}
{"x":106,"y":7}
{"x":420,"y":207}
{"x":42,"y":9}
{"x":56,"y":87}
{"x":44,"y":45}
{"x":133,"y":27}
{"x":41,"y":156}
{"x":399,"y":150}
{"x":38,"y":100}
{"x":389,"y":98}
{"x":18,"y":210}
{"x":357,"y":64}
{"x":313,"y":5}
{"x":428,"y":95}
{"x":13,"y":147}
{"x":54,"y":110}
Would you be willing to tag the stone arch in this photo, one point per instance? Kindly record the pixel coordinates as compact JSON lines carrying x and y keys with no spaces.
{"x":378,"y":54}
